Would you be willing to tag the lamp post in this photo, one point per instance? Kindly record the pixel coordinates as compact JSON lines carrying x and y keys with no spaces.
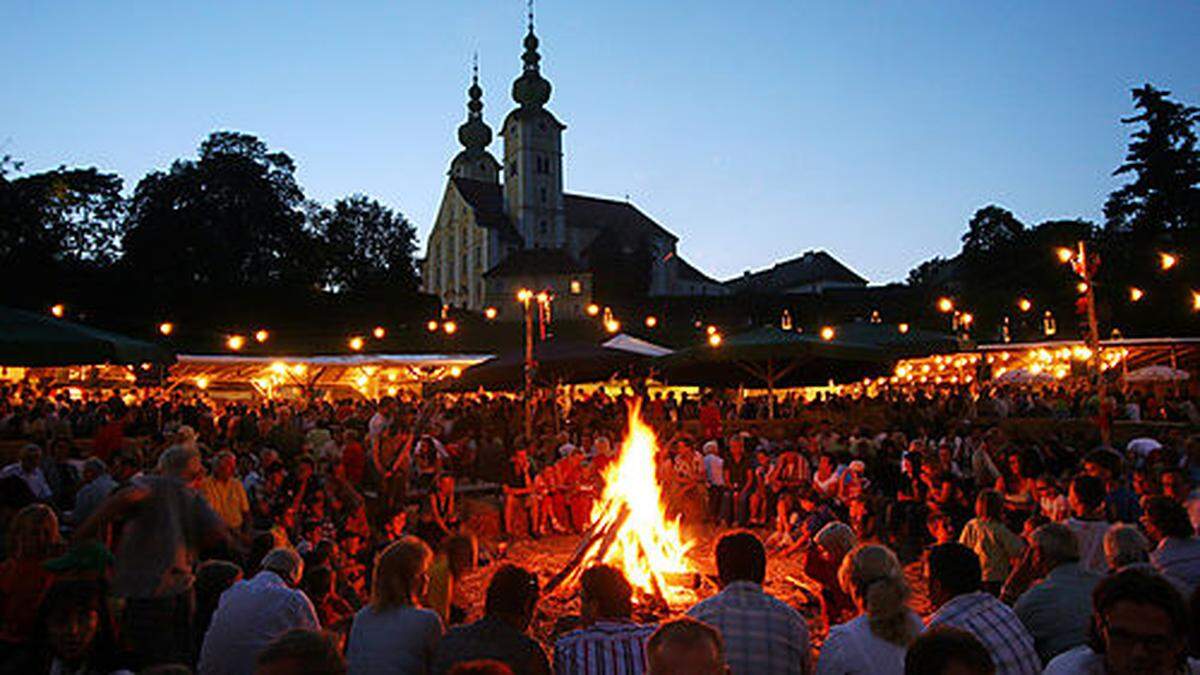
{"x":1083,"y":267}
{"x":525,"y":296}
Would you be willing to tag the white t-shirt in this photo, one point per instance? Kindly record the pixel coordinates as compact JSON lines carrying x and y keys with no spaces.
{"x":1091,"y":543}
{"x":851,"y":648}
{"x":1083,"y":661}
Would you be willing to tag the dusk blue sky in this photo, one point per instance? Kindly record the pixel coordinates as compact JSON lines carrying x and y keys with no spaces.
{"x":752,"y":130}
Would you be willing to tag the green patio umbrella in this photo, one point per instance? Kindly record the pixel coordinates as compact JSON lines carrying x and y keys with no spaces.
{"x":32,"y":340}
{"x":773,"y":357}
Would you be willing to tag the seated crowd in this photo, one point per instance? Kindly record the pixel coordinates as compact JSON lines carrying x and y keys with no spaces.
{"x":189,"y":535}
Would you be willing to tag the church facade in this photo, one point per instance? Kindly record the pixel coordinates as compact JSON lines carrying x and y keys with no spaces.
{"x":502,"y":227}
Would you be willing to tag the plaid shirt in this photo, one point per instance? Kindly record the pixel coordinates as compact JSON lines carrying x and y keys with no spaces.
{"x":604,"y":648}
{"x":997,"y":627}
{"x":763,"y":635}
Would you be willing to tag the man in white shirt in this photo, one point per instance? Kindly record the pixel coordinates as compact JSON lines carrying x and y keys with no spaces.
{"x":29,"y":470}
{"x":253,"y":613}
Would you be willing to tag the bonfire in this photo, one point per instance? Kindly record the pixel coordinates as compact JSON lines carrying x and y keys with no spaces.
{"x":630,"y":528}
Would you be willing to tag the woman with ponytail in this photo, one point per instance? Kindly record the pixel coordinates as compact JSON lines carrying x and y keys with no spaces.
{"x":877,"y":639}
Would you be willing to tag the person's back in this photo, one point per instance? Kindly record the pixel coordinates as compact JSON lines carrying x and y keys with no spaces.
{"x":876,"y":641}
{"x":611,"y":644}
{"x":1057,"y":610}
{"x":396,"y":640}
{"x":253,"y":613}
{"x":761,"y":633}
{"x":393,"y":634}
{"x":512,"y":595}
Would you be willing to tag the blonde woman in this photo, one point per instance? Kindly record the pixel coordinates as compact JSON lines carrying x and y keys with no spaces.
{"x":33,"y":539}
{"x":877,"y":640}
{"x":393,"y":634}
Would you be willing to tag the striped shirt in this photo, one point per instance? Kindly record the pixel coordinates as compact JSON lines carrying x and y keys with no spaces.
{"x":997,"y":627}
{"x":604,"y":648}
{"x":763,"y":635}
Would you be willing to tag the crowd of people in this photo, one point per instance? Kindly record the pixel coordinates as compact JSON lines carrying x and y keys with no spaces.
{"x":177,"y":533}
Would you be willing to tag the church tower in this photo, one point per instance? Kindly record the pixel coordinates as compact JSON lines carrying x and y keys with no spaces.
{"x":533,"y":181}
{"x":475,"y":162}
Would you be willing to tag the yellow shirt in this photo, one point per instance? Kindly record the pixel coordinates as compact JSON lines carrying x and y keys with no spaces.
{"x":227,"y":498}
{"x":995,"y":544}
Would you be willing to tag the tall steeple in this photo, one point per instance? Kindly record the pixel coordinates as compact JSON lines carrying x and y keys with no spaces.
{"x":475,"y":162}
{"x":533,"y":184}
{"x":531,"y":90}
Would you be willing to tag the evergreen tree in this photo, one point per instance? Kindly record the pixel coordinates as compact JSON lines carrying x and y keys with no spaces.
{"x":1165,"y":165}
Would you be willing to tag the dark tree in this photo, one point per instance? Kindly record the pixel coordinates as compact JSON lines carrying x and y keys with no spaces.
{"x":227,"y":221}
{"x":991,"y":229}
{"x":56,"y":226}
{"x":1165,"y":165}
{"x":930,"y":273}
{"x":366,"y":247}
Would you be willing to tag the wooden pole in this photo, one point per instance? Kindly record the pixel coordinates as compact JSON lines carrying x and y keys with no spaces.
{"x":528,"y":372}
{"x":1093,"y":342}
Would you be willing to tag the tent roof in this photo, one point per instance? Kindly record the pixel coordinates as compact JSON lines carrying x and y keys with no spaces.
{"x":628,"y":343}
{"x":34,"y":340}
{"x":787,"y":358}
{"x":558,"y":360}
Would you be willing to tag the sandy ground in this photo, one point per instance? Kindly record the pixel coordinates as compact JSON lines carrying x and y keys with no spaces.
{"x":547,"y":556}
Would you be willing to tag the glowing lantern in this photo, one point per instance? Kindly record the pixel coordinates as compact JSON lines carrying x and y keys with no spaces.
{"x":593,"y":309}
{"x":261,"y":336}
{"x":1136,"y":294}
{"x":524,"y":295}
{"x":356,"y":343}
{"x":166,"y":328}
{"x":1064,"y":254}
{"x":714,"y":340}
{"x":1167,"y":260}
{"x":58,"y":310}
{"x":380,"y":332}
{"x":945,"y":305}
{"x":903,"y":328}
{"x":651,"y":321}
{"x":235,"y":342}
{"x":1081,"y":287}
{"x":1024,"y":304}
{"x":827,"y":333}
{"x":432,"y":326}
{"x":202,"y":382}
{"x":450,"y":327}
{"x":489,"y":313}
{"x":455,"y":371}
{"x":612,"y":325}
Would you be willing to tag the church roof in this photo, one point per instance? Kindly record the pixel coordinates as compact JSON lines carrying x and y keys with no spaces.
{"x":689,"y":273}
{"x":597,"y":213}
{"x":582,"y":212}
{"x":812,"y":267}
{"x":536,"y":261}
{"x":487,"y":201}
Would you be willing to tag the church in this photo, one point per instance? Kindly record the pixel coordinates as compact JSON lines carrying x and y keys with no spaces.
{"x":494,"y":235}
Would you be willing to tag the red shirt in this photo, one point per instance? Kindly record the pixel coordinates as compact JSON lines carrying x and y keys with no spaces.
{"x":354,"y":461}
{"x":108,"y":440}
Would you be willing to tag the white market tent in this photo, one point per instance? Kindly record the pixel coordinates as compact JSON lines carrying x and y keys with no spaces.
{"x":1159,"y":373}
{"x":628,"y":343}
{"x":369,"y":374}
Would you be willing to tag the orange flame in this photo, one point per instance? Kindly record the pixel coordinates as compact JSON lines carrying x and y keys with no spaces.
{"x":648,"y":545}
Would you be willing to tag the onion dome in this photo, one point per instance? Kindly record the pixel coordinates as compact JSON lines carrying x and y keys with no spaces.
{"x":531,"y":90}
{"x":475,"y":134}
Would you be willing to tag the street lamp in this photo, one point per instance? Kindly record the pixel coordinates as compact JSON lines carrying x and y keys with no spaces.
{"x":166,"y":328}
{"x":58,"y":310}
{"x":945,"y":305}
